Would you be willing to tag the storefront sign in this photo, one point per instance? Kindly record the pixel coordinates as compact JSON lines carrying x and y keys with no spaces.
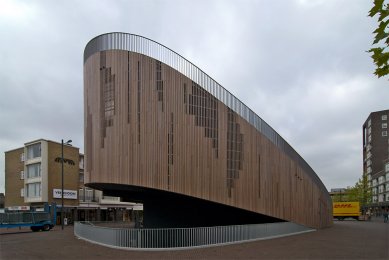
{"x":67,"y":194}
{"x":137,"y":207}
{"x":19,"y":208}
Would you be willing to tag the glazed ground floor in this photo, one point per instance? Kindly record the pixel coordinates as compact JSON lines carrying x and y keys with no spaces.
{"x":117,"y":214}
{"x":378,"y":210}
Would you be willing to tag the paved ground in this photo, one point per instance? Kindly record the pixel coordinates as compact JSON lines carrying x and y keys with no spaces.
{"x":345,"y":240}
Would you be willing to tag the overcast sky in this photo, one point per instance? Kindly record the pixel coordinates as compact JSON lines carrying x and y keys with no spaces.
{"x":301,"y":65}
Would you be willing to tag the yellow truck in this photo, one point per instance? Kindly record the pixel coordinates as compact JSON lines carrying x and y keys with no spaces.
{"x":342,"y":210}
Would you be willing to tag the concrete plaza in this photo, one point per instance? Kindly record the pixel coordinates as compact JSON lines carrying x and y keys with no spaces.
{"x":345,"y":240}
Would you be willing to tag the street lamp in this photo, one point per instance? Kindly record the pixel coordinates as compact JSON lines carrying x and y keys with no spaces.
{"x":62,"y":209}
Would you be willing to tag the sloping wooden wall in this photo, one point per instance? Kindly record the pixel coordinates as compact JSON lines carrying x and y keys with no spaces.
{"x":148,"y":125}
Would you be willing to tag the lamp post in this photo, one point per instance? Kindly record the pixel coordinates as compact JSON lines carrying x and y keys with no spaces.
{"x":62,"y":208}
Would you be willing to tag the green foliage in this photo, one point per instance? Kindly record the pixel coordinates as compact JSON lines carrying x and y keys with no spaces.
{"x":340,"y":197}
{"x":360,"y":192}
{"x":380,"y":54}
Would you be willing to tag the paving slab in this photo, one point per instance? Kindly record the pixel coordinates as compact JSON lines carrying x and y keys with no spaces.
{"x":345,"y":240}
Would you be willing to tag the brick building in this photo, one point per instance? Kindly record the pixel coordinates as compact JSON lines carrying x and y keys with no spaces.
{"x":33,"y":177}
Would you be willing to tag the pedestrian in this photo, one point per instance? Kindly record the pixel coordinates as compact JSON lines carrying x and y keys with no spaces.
{"x":386,"y":214}
{"x":368,"y":214}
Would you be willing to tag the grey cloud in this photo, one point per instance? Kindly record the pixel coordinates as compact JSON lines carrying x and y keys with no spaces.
{"x":300,"y":65}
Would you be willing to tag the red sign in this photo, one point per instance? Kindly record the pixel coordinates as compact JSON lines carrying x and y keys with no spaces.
{"x":344,"y":205}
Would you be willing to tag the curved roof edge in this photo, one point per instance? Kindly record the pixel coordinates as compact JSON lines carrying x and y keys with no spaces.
{"x":142,"y":45}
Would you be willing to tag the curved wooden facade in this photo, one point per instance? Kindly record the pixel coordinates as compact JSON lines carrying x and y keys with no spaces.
{"x":153,"y":122}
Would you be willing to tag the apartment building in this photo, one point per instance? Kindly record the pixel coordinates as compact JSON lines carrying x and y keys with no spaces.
{"x":376,"y":157}
{"x":380,"y":188}
{"x":33,"y":177}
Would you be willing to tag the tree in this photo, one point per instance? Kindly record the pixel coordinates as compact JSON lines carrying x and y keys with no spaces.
{"x":340,"y":196}
{"x":380,"y":53}
{"x":360,"y":192}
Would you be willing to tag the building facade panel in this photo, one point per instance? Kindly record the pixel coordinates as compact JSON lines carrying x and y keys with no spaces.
{"x":152,"y":126}
{"x":14,"y":177}
{"x":54,"y":172}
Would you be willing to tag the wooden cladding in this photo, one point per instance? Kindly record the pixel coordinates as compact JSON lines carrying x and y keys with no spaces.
{"x":168,"y":133}
{"x":159,"y":82}
{"x":204,"y":106}
{"x":170,"y":148}
{"x":107,"y":89}
{"x":234,"y":150}
{"x":139,"y":100}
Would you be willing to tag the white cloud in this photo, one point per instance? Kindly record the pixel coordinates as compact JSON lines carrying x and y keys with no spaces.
{"x":16,"y":13}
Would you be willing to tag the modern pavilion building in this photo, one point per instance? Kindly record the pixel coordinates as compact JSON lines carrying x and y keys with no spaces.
{"x":160,"y":131}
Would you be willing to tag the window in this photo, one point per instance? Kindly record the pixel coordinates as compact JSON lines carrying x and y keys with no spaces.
{"x":85,"y":194}
{"x":34,"y":170}
{"x":34,"y":190}
{"x":387,"y":167}
{"x":384,"y":133}
{"x":81,"y":163}
{"x":369,"y":122}
{"x":34,"y":151}
{"x":384,"y":125}
{"x":22,"y":175}
{"x":384,"y":117}
{"x":88,"y":195}
{"x":22,"y":192}
{"x":22,"y":157}
{"x":81,"y":194}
